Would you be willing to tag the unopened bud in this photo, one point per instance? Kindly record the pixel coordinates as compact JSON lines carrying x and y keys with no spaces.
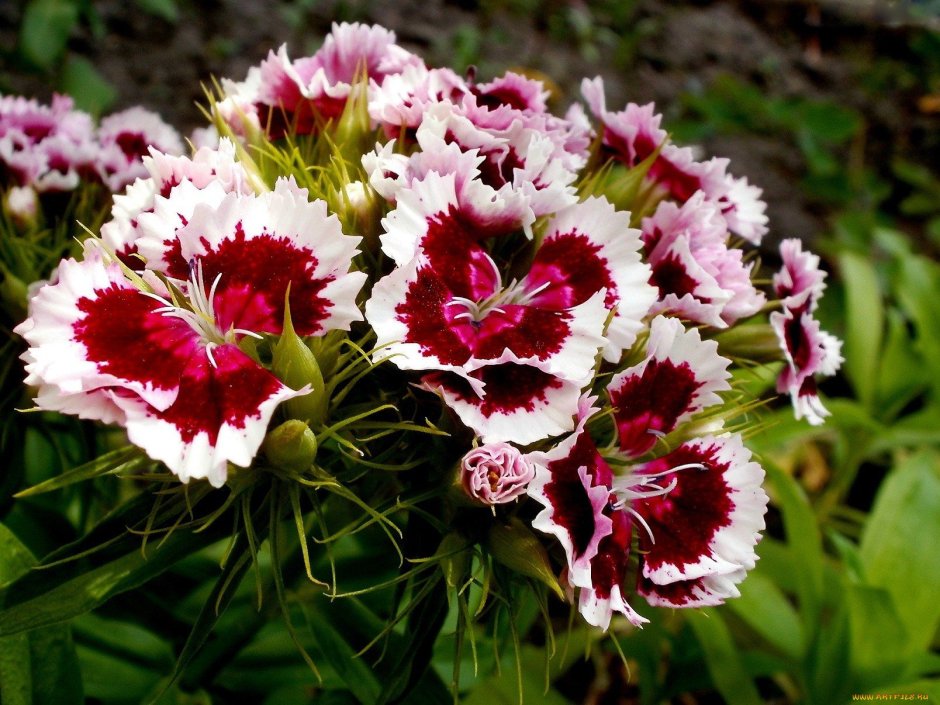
{"x":292,"y":446}
{"x":296,"y":365}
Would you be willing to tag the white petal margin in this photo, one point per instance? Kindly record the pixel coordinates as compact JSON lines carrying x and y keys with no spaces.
{"x":579,"y":567}
{"x":161,"y":434}
{"x":598,"y":611}
{"x":709,"y":591}
{"x":57,"y":362}
{"x":670,"y":341}
{"x":548,"y":413}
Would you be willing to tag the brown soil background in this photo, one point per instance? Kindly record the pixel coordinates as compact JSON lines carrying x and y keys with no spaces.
{"x":814,"y":50}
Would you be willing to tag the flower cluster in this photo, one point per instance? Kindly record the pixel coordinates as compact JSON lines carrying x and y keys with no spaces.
{"x":557,"y":286}
{"x":54,"y":147}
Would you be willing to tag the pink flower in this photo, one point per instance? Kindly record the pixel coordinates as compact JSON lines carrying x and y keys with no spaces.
{"x":301,"y":95}
{"x":633,"y":135}
{"x":496,"y":473}
{"x":127,"y":350}
{"x":47,"y":147}
{"x":698,"y":276}
{"x":126,"y":138}
{"x":807,"y":349}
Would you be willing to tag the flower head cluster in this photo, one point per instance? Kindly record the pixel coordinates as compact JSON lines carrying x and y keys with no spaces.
{"x":55,"y":147}
{"x":565,"y":326}
{"x":158,"y":350}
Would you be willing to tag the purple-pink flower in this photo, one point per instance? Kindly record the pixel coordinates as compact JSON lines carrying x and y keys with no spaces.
{"x":495,"y":473}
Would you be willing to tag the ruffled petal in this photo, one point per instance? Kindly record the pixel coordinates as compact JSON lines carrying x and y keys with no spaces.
{"x":571,"y":483}
{"x":607,"y":592}
{"x":93,"y":329}
{"x":591,"y":246}
{"x":707,"y":591}
{"x":710,"y":522}
{"x":509,"y":402}
{"x":679,"y":377}
{"x":221,"y":415}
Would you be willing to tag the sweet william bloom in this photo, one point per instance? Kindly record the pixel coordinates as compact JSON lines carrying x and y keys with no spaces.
{"x":284,"y":95}
{"x":125,"y":138}
{"x":47,"y":147}
{"x":680,"y":376}
{"x":209,"y":170}
{"x":511,"y":355}
{"x":698,"y":276}
{"x":633,"y":135}
{"x":701,"y":508}
{"x":808,"y":350}
{"x":496,"y":473}
{"x":128,"y":351}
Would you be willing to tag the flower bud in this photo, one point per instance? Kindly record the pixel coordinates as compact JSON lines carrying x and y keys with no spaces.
{"x":22,"y":204}
{"x":291,"y":446}
{"x":495,"y":473}
{"x":518,"y":548}
{"x":296,"y":365}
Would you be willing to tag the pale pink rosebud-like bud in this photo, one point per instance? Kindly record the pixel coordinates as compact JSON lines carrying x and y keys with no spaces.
{"x":495,"y":473}
{"x":22,"y":205}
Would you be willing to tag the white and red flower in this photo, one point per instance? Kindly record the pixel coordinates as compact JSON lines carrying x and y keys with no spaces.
{"x":127,"y":350}
{"x":301,"y":95}
{"x":506,"y":348}
{"x":808,"y":350}
{"x":680,"y":376}
{"x":633,"y":135}
{"x":125,"y":138}
{"x":46,"y":147}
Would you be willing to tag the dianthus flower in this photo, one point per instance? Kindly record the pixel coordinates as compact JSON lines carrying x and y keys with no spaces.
{"x":165,"y":362}
{"x":697,"y":510}
{"x":808,"y":350}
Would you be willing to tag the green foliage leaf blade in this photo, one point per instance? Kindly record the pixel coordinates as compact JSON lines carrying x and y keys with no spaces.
{"x":45,"y":31}
{"x":723,"y":659}
{"x":92,"y":91}
{"x":864,"y":315}
{"x":770,"y":614}
{"x":898,"y":546}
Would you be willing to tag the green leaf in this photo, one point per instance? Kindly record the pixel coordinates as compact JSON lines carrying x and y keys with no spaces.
{"x":723,"y":658}
{"x":45,"y":31}
{"x":164,"y":9}
{"x":114,"y":462}
{"x":39,"y":667}
{"x":918,"y":290}
{"x":899,"y":375}
{"x":92,"y":91}
{"x":898,"y":546}
{"x":768,"y":612}
{"x":864,"y":314}
{"x":106,"y":562}
{"x":879,"y":645}
{"x":328,"y":635}
{"x":803,"y":541}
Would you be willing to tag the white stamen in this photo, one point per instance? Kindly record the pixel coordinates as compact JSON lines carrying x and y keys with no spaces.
{"x":640,"y":486}
{"x":209,"y":347}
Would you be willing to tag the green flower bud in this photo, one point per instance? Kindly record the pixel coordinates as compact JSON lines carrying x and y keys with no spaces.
{"x":455,"y":559}
{"x":292,"y":446}
{"x":296,"y":366}
{"x":516,"y":547}
{"x":756,"y":342}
